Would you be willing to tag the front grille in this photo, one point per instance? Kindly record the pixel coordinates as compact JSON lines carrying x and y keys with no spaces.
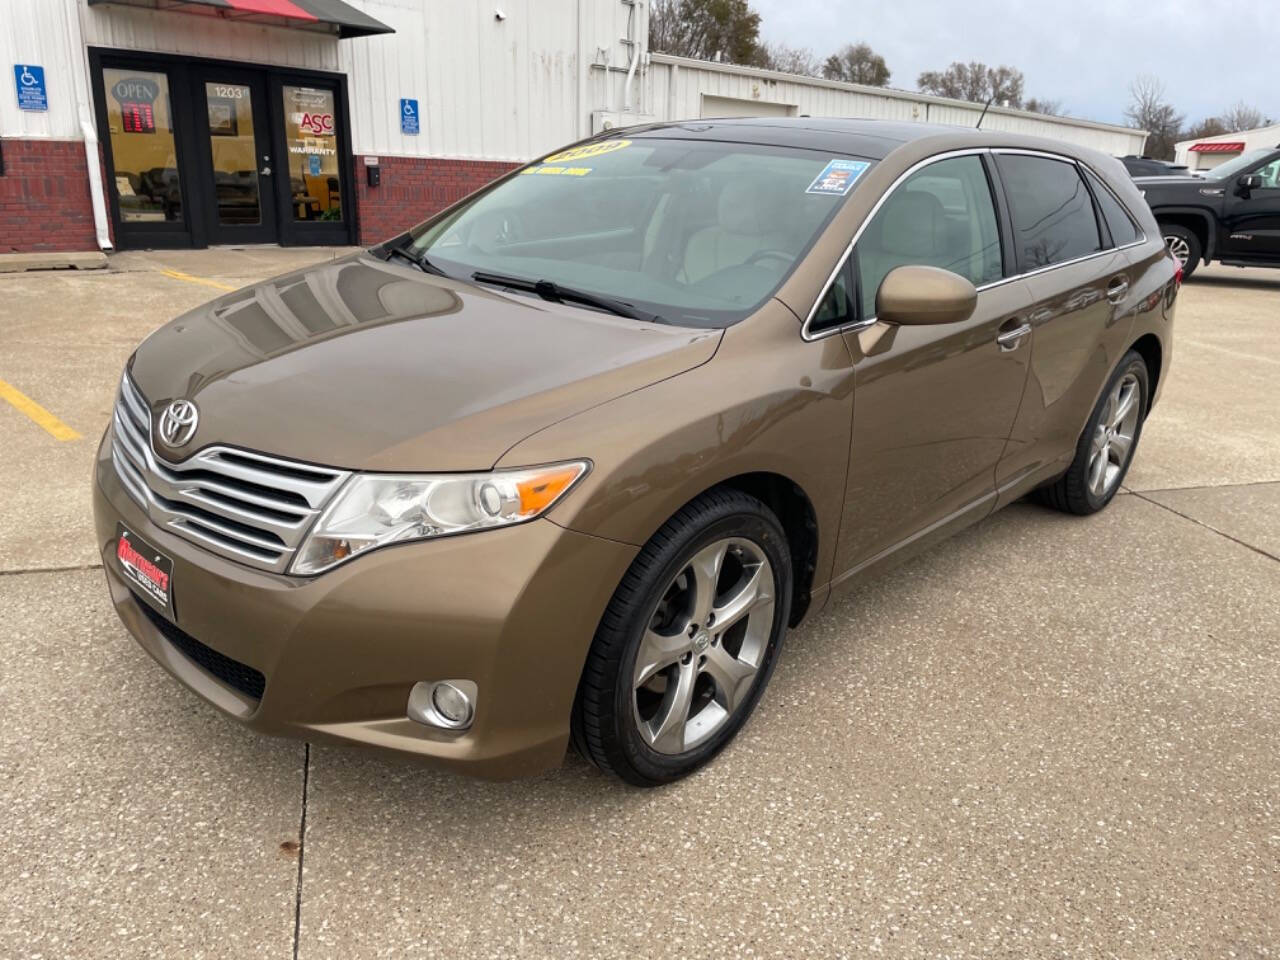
{"x":238,"y":504}
{"x":237,"y":675}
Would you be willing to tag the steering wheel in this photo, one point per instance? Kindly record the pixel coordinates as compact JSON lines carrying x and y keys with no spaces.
{"x":495,"y":229}
{"x":769,"y":255}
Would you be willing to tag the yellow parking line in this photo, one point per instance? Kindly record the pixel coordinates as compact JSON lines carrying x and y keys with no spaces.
{"x":24,"y":404}
{"x":203,"y":281}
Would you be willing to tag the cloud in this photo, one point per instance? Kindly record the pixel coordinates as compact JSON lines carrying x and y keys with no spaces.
{"x":1083,"y":53}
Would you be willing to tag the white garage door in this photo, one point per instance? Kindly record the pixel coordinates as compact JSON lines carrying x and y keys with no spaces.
{"x":733,"y":107}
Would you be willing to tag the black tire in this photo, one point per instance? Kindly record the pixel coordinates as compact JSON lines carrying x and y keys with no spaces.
{"x":1071,"y":492}
{"x":604,"y":722}
{"x":1175,"y":232}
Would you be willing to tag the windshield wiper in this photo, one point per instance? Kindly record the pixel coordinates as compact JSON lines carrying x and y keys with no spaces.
{"x":419,"y":261}
{"x":557,"y":293}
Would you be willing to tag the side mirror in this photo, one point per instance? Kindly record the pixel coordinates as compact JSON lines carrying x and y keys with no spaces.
{"x":918,"y":295}
{"x":1248,"y":183}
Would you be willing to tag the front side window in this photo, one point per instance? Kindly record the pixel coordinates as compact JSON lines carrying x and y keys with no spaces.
{"x":1240,"y":164}
{"x":836,"y":308}
{"x":696,"y":232}
{"x":1123,"y":229}
{"x":1270,"y":175}
{"x":1053,"y":218}
{"x":941,"y":216}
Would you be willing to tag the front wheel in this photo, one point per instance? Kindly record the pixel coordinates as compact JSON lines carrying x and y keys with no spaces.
{"x":1184,"y":245}
{"x":1107,"y":446}
{"x":688,"y":642}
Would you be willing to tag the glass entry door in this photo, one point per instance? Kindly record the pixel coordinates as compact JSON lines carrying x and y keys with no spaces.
{"x":240,"y":173}
{"x":203,"y":152}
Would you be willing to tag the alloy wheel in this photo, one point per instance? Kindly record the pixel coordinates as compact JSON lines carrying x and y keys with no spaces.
{"x":1114,"y":435}
{"x":1180,"y":249}
{"x":703,"y":645}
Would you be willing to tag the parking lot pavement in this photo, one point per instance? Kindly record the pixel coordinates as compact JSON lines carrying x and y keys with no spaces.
{"x":1047,"y":737}
{"x":64,"y":337}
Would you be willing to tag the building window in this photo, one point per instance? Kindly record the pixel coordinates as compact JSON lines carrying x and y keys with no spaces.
{"x":311,"y":137}
{"x":140,"y":120}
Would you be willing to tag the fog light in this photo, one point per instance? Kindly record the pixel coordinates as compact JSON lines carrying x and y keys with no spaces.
{"x":449,"y":704}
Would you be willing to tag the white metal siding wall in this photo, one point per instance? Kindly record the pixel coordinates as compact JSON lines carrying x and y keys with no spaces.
{"x":44,"y":33}
{"x":675,"y":89}
{"x":496,"y":90}
{"x":488,"y":89}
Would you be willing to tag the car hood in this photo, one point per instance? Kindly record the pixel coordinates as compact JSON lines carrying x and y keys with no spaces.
{"x":364,"y":364}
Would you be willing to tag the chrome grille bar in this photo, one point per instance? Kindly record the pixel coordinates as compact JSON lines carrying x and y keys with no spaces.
{"x":239,"y":504}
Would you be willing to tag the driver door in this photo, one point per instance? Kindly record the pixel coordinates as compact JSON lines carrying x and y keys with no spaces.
{"x":1251,"y":224}
{"x":933,"y":405}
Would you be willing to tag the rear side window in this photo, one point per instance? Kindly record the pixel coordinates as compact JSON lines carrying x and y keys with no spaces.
{"x":941,"y":216}
{"x":1123,"y":229}
{"x":1053,"y":218}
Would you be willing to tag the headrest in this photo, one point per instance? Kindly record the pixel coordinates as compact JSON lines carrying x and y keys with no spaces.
{"x":911,"y":225}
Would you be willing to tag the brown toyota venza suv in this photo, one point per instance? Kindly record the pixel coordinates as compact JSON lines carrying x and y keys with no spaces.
{"x":564,"y":462}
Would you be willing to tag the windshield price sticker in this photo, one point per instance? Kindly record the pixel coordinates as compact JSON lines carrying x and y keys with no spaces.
{"x":586,"y":151}
{"x":838,"y":177}
{"x":558,"y":171}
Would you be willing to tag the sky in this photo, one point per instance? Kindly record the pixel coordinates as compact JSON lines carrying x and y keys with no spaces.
{"x":1084,"y":53}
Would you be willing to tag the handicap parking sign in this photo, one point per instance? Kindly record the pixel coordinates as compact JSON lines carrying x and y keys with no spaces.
{"x":408,"y":116}
{"x":29,"y":79}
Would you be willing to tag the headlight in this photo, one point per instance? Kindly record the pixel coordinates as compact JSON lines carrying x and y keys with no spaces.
{"x":376,"y":509}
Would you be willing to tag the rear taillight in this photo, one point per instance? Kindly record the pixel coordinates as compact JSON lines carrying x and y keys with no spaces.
{"x":1177,"y":275}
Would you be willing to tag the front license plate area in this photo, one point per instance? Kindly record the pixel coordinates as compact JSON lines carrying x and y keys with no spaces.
{"x":148,"y":571}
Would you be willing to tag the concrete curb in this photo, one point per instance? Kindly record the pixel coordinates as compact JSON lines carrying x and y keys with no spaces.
{"x":19,"y":262}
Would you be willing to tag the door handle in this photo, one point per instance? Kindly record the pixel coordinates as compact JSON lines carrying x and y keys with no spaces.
{"x":265,"y":171}
{"x":1011,"y":339}
{"x":1117,"y":289}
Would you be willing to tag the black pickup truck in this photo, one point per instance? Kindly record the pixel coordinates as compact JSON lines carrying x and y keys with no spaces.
{"x":1230,"y":213}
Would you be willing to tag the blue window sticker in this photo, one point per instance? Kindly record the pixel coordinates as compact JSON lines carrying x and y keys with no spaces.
{"x":313,"y":164}
{"x":838,"y":177}
{"x":29,"y":80}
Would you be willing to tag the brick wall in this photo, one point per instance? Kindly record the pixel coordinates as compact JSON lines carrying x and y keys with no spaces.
{"x":413,"y":188}
{"x":44,"y":197}
{"x":45,"y":203}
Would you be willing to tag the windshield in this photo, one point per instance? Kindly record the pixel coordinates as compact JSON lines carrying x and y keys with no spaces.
{"x":694,"y":232}
{"x":1229,"y":169}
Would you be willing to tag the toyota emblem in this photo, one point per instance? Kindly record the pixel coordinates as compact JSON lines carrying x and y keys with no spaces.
{"x":178,"y":423}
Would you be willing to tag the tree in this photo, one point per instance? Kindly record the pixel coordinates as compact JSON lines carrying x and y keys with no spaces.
{"x":975,"y":82}
{"x":1208,"y":127}
{"x":1243,"y":116}
{"x":857,"y":63}
{"x":785,"y":59}
{"x":722,"y":30}
{"x":1052,"y":108}
{"x":1149,"y":110}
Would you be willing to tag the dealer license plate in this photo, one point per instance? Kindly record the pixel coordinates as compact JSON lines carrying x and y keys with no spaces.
{"x":148,"y":570}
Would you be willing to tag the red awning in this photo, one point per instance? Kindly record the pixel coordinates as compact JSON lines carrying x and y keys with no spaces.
{"x":1212,"y":146}
{"x":330,"y":16}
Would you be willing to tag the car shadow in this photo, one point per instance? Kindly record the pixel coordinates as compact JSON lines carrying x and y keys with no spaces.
{"x":1236,"y":283}
{"x":348,"y":780}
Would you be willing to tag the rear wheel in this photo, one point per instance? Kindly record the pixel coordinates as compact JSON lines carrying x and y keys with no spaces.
{"x":688,"y":641}
{"x":1184,"y":245}
{"x":1107,"y":446}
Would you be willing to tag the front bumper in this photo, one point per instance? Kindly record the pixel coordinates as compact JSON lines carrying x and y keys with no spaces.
{"x":513,"y":610}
